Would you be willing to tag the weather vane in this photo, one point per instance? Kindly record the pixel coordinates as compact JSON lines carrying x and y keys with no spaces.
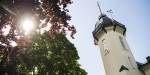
{"x":111,"y":13}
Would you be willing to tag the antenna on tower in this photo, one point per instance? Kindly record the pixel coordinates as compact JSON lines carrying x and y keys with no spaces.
{"x":98,"y":4}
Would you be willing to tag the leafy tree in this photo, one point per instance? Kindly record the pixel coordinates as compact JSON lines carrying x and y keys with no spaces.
{"x":27,"y":56}
{"x":55,"y":56}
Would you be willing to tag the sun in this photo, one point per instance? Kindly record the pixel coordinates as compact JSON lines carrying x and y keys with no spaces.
{"x":27,"y":25}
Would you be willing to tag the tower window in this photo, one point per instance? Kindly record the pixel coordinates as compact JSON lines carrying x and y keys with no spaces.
{"x":103,"y":41}
{"x":122,"y":43}
{"x":123,"y":68}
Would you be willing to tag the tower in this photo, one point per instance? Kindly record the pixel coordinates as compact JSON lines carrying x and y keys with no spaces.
{"x":110,"y":36}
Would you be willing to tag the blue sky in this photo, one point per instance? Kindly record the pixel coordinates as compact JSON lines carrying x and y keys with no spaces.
{"x":134,"y":14}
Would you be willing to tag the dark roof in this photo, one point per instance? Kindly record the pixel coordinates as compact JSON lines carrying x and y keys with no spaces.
{"x":142,"y":65}
{"x":105,"y":21}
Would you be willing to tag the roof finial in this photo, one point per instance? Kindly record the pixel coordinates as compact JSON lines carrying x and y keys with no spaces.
{"x":111,"y":13}
{"x":98,"y":4}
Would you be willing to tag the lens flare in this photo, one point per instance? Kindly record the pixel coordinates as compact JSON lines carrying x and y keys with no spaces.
{"x":27,"y":25}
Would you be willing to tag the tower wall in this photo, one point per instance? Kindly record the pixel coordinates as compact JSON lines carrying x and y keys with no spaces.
{"x":116,"y":53}
{"x":146,"y":68}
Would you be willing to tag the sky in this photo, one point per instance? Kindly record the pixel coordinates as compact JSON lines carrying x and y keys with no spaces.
{"x":134,"y":14}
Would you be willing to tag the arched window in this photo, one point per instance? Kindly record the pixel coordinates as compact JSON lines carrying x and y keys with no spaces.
{"x":103,"y":42}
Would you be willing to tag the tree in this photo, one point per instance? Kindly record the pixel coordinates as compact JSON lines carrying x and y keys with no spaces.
{"x":55,"y":56}
{"x":44,"y":12}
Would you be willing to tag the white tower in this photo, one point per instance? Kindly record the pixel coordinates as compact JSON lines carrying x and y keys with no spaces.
{"x":117,"y":58}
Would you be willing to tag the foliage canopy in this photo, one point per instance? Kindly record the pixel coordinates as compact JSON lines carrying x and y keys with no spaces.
{"x":55,"y":56}
{"x":47,"y":54}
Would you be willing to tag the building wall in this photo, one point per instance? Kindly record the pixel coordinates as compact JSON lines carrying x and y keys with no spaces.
{"x":114,"y":55}
{"x":147,"y":69}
